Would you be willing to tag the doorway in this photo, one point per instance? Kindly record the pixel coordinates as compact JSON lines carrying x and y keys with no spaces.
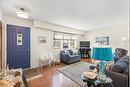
{"x":18,"y":46}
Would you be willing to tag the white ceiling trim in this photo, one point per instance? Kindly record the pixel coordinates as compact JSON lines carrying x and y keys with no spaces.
{"x":54,"y":27}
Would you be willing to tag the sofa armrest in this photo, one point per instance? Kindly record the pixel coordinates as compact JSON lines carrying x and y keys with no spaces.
{"x":64,"y":57}
{"x":119,"y":80}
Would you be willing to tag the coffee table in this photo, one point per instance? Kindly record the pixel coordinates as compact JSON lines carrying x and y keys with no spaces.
{"x":91,"y":82}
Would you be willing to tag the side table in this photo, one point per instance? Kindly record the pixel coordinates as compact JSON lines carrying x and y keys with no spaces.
{"x":43,"y":62}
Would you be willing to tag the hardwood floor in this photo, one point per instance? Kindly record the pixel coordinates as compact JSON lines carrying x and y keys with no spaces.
{"x":53,"y":78}
{"x":89,"y":60}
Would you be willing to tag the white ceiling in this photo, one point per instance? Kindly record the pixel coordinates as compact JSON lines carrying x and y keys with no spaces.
{"x":78,"y":14}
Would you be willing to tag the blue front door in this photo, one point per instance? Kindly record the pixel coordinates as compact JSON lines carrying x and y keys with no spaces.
{"x":18,"y":46}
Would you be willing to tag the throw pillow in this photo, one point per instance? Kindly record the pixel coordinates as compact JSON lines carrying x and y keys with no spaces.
{"x":119,"y":66}
{"x":75,"y":52}
{"x":126,"y":58}
{"x":66,"y":52}
{"x":71,"y":52}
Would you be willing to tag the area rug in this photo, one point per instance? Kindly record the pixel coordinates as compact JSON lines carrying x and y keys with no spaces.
{"x":31,"y":74}
{"x":75,"y":70}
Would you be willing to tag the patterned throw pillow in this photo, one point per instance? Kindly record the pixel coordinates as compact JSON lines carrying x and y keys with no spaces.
{"x":71,"y":52}
{"x":75,"y":52}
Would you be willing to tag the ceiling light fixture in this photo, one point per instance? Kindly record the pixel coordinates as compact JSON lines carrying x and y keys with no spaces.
{"x":22,"y":13}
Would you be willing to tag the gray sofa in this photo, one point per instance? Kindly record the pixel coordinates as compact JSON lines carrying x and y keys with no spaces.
{"x":68,"y":56}
{"x":119,"y":71}
{"x":119,"y":80}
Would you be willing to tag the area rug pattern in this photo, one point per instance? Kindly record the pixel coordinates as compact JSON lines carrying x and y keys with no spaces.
{"x":75,"y":70}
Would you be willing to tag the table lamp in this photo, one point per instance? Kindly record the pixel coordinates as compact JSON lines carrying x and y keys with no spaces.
{"x":102,"y":54}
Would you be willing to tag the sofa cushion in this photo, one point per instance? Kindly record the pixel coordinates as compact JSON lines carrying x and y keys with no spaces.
{"x":126,"y":71}
{"x":119,"y":66}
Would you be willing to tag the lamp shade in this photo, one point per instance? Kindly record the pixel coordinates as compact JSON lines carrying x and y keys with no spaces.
{"x":103,"y":54}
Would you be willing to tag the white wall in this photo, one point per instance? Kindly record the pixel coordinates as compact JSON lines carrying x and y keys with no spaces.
{"x":38,"y":49}
{"x":0,"y":14}
{"x":115,"y":34}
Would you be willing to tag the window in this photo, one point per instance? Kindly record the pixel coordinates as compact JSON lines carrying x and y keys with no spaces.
{"x":65,"y":43}
{"x":73,"y":41}
{"x":57,"y":44}
{"x":64,"y":40}
{"x":57,"y":39}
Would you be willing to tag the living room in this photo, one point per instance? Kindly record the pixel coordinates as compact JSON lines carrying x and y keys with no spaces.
{"x":55,"y":26}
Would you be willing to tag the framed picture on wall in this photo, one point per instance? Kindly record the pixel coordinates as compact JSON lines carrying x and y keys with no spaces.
{"x":102,"y":40}
{"x":42,"y":39}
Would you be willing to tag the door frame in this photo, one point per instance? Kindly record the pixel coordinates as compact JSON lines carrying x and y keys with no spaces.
{"x":1,"y":62}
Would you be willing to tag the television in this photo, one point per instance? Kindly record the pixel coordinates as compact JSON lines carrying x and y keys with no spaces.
{"x":84,"y":43}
